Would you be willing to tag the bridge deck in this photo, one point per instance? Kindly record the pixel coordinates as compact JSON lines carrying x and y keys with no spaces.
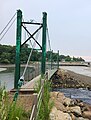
{"x":31,"y":84}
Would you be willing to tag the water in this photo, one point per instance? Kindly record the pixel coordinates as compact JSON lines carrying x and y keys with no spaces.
{"x":78,"y":69}
{"x":2,"y":69}
{"x":7,"y":76}
{"x":82,"y":94}
{"x":7,"y":79}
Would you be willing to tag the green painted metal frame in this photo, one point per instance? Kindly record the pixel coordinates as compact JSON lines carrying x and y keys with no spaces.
{"x":18,"y":48}
{"x":43,"y":63}
{"x":18,"y":44}
{"x":32,"y":36}
{"x":58,"y":60}
{"x":51,"y":59}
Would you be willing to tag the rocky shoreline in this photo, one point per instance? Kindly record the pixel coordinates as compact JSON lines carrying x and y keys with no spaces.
{"x":68,"y":79}
{"x":68,"y":109}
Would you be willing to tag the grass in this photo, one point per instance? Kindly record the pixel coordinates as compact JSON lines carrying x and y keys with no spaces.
{"x":45,"y":106}
{"x":11,"y":110}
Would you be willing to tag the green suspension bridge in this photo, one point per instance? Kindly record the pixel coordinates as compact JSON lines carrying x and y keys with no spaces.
{"x":20,"y":85}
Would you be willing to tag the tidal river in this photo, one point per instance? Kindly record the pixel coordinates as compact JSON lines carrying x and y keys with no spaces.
{"x":83,"y":94}
{"x":7,"y":76}
{"x":78,"y":69}
{"x":7,"y":79}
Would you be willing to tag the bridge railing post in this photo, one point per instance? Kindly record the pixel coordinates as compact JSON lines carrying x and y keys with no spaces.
{"x":51,"y":58}
{"x":58,"y":60}
{"x":43,"y":63}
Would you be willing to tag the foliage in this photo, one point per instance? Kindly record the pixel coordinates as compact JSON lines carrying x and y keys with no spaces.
{"x":7,"y":55}
{"x":10,"y":111}
{"x":68,"y":58}
{"x":45,"y":106}
{"x":77,"y":59}
{"x":37,"y":86}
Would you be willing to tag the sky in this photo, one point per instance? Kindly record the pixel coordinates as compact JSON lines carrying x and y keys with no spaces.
{"x":69,"y":23}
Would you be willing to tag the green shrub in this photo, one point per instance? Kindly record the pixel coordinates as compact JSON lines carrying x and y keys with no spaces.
{"x":45,"y":106}
{"x":10,"y":111}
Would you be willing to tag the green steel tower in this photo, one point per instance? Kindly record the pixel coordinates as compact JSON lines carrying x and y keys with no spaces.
{"x":18,"y":48}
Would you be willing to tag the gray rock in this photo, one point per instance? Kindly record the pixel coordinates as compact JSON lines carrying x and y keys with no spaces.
{"x":76,"y":110}
{"x":87,"y":114}
{"x":59,"y":106}
{"x":72,"y":103}
{"x":62,"y":116}
{"x":67,"y":101}
{"x":81,"y":118}
{"x":59,"y":115}
{"x":53,"y":113}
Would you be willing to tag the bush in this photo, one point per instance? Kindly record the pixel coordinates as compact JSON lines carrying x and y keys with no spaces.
{"x":45,"y":106}
{"x":10,"y":111}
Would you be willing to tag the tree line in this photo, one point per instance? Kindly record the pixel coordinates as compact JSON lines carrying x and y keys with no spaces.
{"x":7,"y":55}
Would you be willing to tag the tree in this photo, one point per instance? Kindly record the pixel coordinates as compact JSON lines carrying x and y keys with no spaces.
{"x":7,"y":55}
{"x":68,"y":58}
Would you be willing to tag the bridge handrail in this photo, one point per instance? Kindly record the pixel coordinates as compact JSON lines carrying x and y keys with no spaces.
{"x":37,"y":103}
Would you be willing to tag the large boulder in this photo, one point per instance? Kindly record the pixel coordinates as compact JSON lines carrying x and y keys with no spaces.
{"x":57,"y":96}
{"x":60,"y":97}
{"x":77,"y":118}
{"x":72,"y":116}
{"x":76,"y":110}
{"x":67,"y":101}
{"x":59,"y":106}
{"x":62,"y":116}
{"x":81,"y":118}
{"x":53,"y":94}
{"x":87,"y":114}
{"x":59,"y":115}
{"x":53,"y":113}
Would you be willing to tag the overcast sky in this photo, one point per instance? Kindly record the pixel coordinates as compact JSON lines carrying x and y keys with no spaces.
{"x":69,"y":23}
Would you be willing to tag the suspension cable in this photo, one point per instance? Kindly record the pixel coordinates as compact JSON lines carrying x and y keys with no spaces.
{"x":7,"y":29}
{"x":21,"y":80}
{"x":50,"y":55}
{"x":8,"y":24}
{"x":28,"y":59}
{"x":48,"y":38}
